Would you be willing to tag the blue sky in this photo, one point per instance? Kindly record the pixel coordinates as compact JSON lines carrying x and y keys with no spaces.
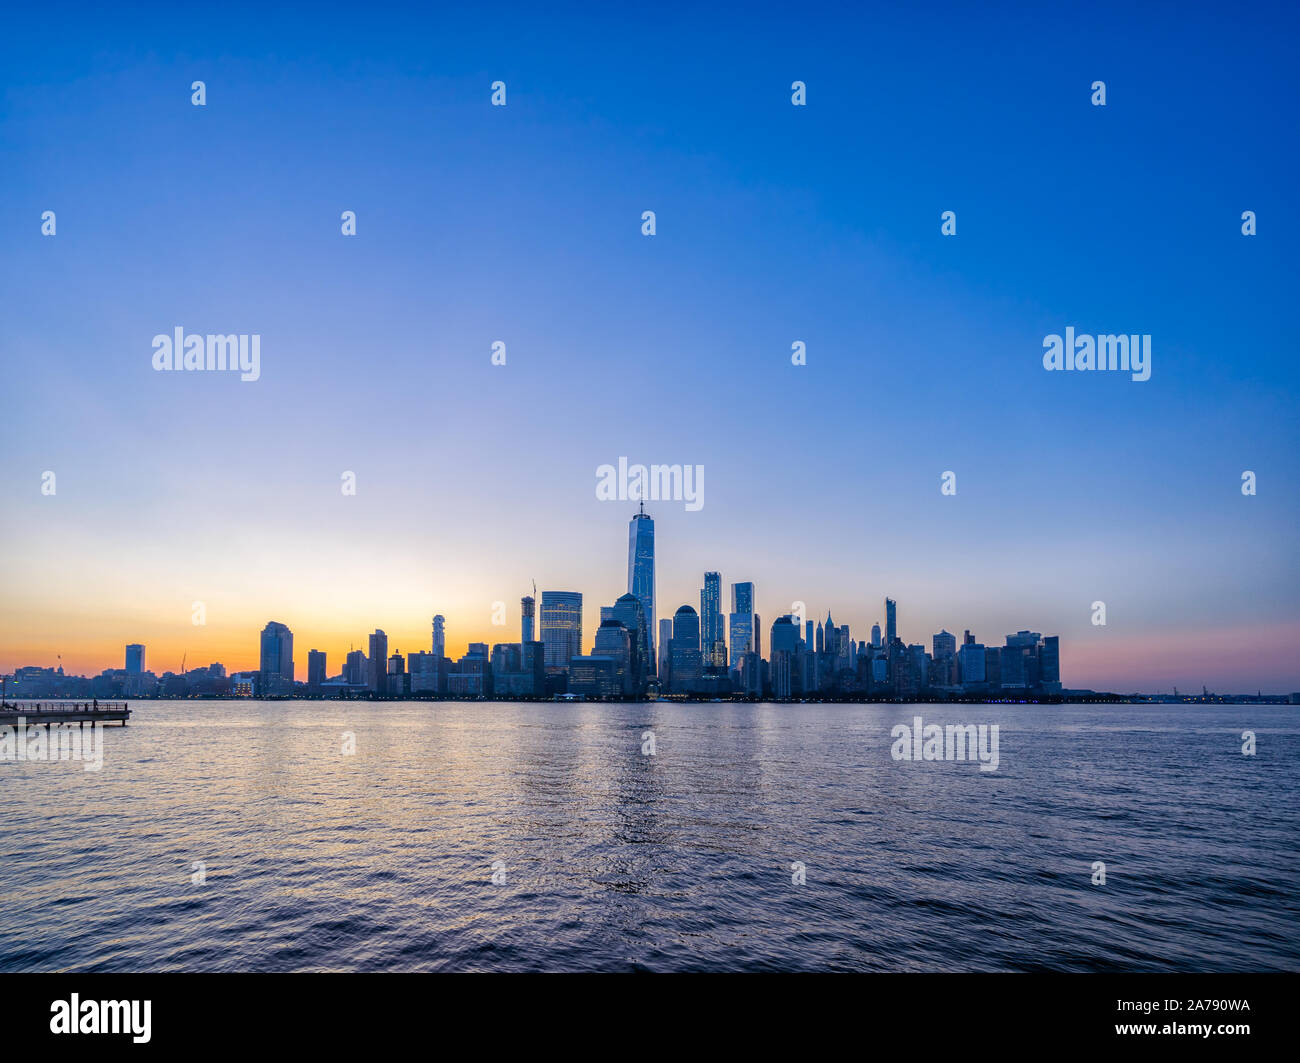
{"x":774,"y":224}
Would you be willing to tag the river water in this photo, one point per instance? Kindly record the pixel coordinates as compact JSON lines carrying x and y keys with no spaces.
{"x":245,"y":836}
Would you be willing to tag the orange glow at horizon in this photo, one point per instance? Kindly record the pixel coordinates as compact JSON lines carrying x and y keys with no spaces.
{"x":90,"y":644}
{"x":90,"y":647}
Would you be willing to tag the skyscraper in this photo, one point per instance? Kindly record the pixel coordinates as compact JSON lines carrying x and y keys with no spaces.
{"x":945,"y":657}
{"x":641,"y":566}
{"x":134,"y":659}
{"x":665,"y":645}
{"x":354,"y":668}
{"x":423,"y":669}
{"x":1050,"y":664}
{"x":526,"y":606}
{"x":1019,"y":664}
{"x":439,"y":638}
{"x":742,"y":631}
{"x":993,"y":666}
{"x":786,"y":642}
{"x":741,"y":637}
{"x":628,"y":611}
{"x":713,"y":643}
{"x":614,"y":641}
{"x":875,"y":635}
{"x":785,"y":635}
{"x":686,"y":628}
{"x":832,"y":636}
{"x":397,"y":682}
{"x":742,"y":597}
{"x":561,"y":624}
{"x":377,"y":660}
{"x":316,"y":669}
{"x":891,"y":621}
{"x":972,"y":658}
{"x":685,"y":655}
{"x":276,"y":664}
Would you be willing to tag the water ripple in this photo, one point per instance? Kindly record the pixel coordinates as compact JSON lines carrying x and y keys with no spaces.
{"x":312,"y":860}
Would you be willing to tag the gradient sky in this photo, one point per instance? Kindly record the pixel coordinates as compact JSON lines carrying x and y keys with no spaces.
{"x":775,"y":224}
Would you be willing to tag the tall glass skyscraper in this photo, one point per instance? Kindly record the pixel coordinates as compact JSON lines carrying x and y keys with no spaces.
{"x":614,"y":640}
{"x":686,"y":660}
{"x":1049,"y":666}
{"x":665,"y":644}
{"x":711,"y":620}
{"x":135,"y":658}
{"x":785,"y":635}
{"x":686,"y":628}
{"x":377,"y":662}
{"x":891,"y":621}
{"x":641,"y":567}
{"x":743,"y":632}
{"x":742,"y":597}
{"x":561,"y":624}
{"x":276,"y":653}
{"x":629,"y":612}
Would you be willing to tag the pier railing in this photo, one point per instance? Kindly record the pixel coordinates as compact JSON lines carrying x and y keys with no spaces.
{"x":20,"y":707}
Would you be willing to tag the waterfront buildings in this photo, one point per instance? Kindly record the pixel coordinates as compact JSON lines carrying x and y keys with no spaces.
{"x":690,"y":652}
{"x":594,"y":676}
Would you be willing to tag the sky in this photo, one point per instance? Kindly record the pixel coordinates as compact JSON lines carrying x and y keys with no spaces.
{"x":775,"y":224}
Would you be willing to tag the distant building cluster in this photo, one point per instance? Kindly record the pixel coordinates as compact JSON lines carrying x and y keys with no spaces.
{"x":704,"y":654}
{"x":131,"y":681}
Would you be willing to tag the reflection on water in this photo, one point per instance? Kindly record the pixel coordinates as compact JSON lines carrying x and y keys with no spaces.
{"x":616,"y":860}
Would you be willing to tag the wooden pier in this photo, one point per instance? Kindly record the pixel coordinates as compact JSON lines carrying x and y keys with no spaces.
{"x":65,"y":712}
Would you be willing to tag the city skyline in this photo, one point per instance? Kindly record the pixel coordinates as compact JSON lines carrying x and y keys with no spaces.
{"x":570,"y":610}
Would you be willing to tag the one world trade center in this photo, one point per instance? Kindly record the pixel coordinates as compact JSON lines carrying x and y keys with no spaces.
{"x":641,"y":572}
